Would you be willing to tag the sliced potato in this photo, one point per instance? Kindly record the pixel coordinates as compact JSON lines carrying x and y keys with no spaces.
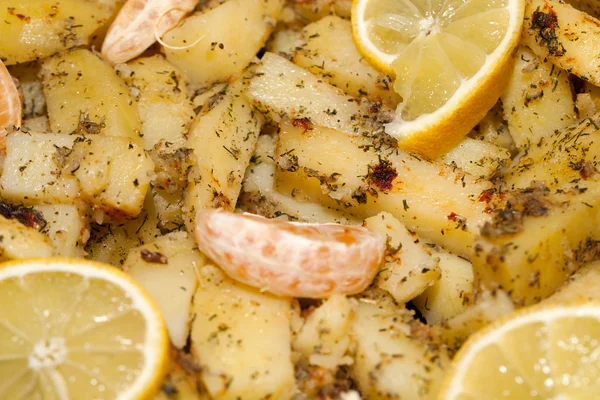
{"x":66,"y":227}
{"x":408,"y":269}
{"x":564,"y":36}
{"x":329,"y":52}
{"x":391,"y":361}
{"x":166,"y":267}
{"x":313,"y":10}
{"x":33,"y":171}
{"x":324,"y":338}
{"x":34,"y":29}
{"x":281,"y":88}
{"x":445,"y":208}
{"x":20,"y":241}
{"x":479,"y":158}
{"x":80,"y":101}
{"x":223,"y":138}
{"x":241,"y":339}
{"x":569,"y":155}
{"x":450,"y":295}
{"x":206,"y":48}
{"x":582,"y":285}
{"x":488,"y":307}
{"x":538,"y":101}
{"x":538,"y":240}
{"x":114,"y":174}
{"x":261,"y":196}
{"x":111,"y":244}
{"x":162,"y":100}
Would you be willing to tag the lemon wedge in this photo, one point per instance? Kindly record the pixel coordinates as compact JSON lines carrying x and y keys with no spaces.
{"x":451,"y":59}
{"x":73,"y":329}
{"x":543,"y":352}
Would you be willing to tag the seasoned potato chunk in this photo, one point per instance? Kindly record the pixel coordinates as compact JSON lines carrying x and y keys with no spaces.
{"x":166,"y":267}
{"x":324,"y":338}
{"x":85,"y":95}
{"x":20,"y":241}
{"x":488,"y":307}
{"x":241,"y":339}
{"x":329,"y":51}
{"x":479,"y":158}
{"x":163,"y":102}
{"x":281,"y":88}
{"x":33,"y":29}
{"x":564,"y":36}
{"x":33,"y":171}
{"x":409,"y":269}
{"x":114,"y":174}
{"x":66,"y":227}
{"x":452,"y":293}
{"x":223,"y":138}
{"x":262,"y":195}
{"x":538,"y":101}
{"x":391,"y":362}
{"x":538,"y":240}
{"x":208,"y":50}
{"x":569,"y":155}
{"x":445,"y":207}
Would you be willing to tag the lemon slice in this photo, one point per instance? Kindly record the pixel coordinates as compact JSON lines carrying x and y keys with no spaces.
{"x":73,"y":329}
{"x":451,"y":58}
{"x":544,"y":352}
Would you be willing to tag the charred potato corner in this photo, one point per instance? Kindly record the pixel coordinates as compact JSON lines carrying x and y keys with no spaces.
{"x":299,"y":199}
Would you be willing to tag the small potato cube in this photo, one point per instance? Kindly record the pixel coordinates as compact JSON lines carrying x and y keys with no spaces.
{"x":33,"y":170}
{"x":66,"y":228}
{"x":241,"y":339}
{"x":324,"y":338}
{"x":166,"y":267}
{"x":85,"y":95}
{"x":409,"y":269}
{"x":114,"y":174}
{"x":20,"y":241}
{"x":162,"y":99}
{"x":452,"y":293}
{"x":34,"y":29}
{"x":208,"y":50}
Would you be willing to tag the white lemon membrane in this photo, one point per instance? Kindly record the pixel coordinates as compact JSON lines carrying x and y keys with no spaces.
{"x":431,"y":25}
{"x":51,"y":352}
{"x":543,"y":316}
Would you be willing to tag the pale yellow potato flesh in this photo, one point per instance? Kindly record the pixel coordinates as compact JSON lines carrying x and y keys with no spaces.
{"x":162,"y":98}
{"x":409,"y":269}
{"x":206,"y":48}
{"x":328,"y":51}
{"x":538,"y":100}
{"x":444,"y":208}
{"x":241,"y":339}
{"x":85,"y":95}
{"x":34,"y":29}
{"x":564,"y":36}
{"x":223,"y":138}
{"x":170,"y":261}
